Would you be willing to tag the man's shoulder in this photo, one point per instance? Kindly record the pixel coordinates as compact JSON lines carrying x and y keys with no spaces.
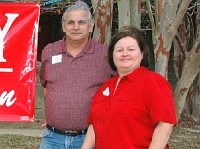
{"x":98,"y":45}
{"x":52,"y":49}
{"x":57,"y":44}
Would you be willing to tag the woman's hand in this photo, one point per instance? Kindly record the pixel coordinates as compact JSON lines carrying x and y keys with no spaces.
{"x":89,"y":142}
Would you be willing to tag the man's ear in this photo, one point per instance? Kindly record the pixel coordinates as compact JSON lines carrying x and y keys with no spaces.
{"x":91,"y":26}
{"x":63,"y":28}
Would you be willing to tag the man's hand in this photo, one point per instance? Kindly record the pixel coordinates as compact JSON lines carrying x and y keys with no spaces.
{"x":44,"y":124}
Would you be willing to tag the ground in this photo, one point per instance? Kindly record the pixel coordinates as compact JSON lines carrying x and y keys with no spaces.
{"x":186,"y":135}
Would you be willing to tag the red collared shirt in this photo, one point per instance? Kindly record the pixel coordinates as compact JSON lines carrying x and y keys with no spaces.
{"x":126,"y":119}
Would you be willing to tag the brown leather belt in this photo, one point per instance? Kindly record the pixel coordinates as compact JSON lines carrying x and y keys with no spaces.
{"x":71,"y":133}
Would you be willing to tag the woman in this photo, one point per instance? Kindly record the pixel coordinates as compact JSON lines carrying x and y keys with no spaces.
{"x":135,"y":109}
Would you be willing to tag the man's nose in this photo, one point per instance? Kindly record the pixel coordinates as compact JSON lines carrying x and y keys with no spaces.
{"x":76,"y":25}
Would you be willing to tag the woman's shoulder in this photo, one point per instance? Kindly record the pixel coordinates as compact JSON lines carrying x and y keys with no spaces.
{"x":156,"y":79}
{"x":110,"y":81}
{"x":153,"y":74}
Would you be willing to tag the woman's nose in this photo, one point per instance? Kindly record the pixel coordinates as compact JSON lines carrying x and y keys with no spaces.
{"x":124,"y":52}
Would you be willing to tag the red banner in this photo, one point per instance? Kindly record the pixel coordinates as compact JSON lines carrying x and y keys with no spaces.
{"x":18,"y":52}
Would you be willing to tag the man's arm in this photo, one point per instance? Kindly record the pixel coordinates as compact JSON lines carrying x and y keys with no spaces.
{"x":44,"y":92}
{"x":161,"y":135}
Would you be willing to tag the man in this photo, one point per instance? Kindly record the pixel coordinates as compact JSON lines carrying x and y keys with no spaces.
{"x":71,"y":72}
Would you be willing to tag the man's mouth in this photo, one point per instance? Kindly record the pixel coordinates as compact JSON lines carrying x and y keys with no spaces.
{"x":76,"y":33}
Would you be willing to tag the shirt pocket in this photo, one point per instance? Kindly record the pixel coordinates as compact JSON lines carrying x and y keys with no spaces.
{"x":127,"y":106}
{"x":99,"y":110}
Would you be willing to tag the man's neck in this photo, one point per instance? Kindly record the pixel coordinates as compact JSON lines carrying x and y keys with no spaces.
{"x":75,"y":47}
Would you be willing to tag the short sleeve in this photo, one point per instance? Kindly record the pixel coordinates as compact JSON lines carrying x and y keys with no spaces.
{"x":42,"y":69}
{"x":161,"y":103}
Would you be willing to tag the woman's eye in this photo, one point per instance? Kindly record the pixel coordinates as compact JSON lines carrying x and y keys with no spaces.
{"x":119,"y":50}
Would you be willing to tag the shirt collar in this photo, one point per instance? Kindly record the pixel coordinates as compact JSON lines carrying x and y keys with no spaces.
{"x":136,"y":73}
{"x":89,"y":47}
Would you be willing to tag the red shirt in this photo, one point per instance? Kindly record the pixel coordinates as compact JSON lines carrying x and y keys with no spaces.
{"x":126,"y":119}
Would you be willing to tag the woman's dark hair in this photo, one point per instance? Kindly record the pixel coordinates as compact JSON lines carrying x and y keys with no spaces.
{"x":129,"y":31}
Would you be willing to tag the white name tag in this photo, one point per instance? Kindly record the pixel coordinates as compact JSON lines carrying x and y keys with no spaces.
{"x":56,"y":59}
{"x":106,"y":92}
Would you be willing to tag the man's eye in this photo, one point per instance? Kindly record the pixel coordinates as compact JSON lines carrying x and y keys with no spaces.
{"x":70,"y":23}
{"x":82,"y":22}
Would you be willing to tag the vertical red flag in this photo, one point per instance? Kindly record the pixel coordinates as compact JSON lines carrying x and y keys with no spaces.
{"x":18,"y":52}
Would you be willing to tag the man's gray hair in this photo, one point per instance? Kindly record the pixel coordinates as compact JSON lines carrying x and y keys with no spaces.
{"x":78,"y":5}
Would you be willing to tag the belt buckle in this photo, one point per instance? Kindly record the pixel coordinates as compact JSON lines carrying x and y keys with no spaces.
{"x":71,"y":133}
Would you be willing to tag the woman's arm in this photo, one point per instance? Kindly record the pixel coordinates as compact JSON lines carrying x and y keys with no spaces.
{"x":161,"y":135}
{"x":89,"y":142}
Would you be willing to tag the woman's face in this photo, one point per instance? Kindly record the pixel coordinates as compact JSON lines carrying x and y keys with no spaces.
{"x":127,"y":55}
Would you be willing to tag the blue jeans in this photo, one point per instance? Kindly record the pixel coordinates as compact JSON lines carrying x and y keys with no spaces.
{"x":52,"y":140}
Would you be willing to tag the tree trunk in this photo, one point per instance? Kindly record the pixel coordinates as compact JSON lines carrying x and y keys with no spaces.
{"x":186,"y":38}
{"x":124,"y":14}
{"x":170,"y":20}
{"x":135,"y":10}
{"x":168,"y":17}
{"x":182,"y":44}
{"x":189,"y":72}
{"x":129,"y":13}
{"x":196,"y":100}
{"x":103,"y":20}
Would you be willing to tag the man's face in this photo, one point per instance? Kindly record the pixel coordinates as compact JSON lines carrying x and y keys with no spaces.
{"x":77,"y":26}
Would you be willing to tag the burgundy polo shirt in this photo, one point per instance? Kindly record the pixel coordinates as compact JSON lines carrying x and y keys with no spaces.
{"x":72,"y":82}
{"x":127,"y":119}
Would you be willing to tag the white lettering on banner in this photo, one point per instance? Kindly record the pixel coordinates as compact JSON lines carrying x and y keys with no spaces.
{"x":7,"y":98}
{"x":4,"y":31}
{"x":6,"y":69}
